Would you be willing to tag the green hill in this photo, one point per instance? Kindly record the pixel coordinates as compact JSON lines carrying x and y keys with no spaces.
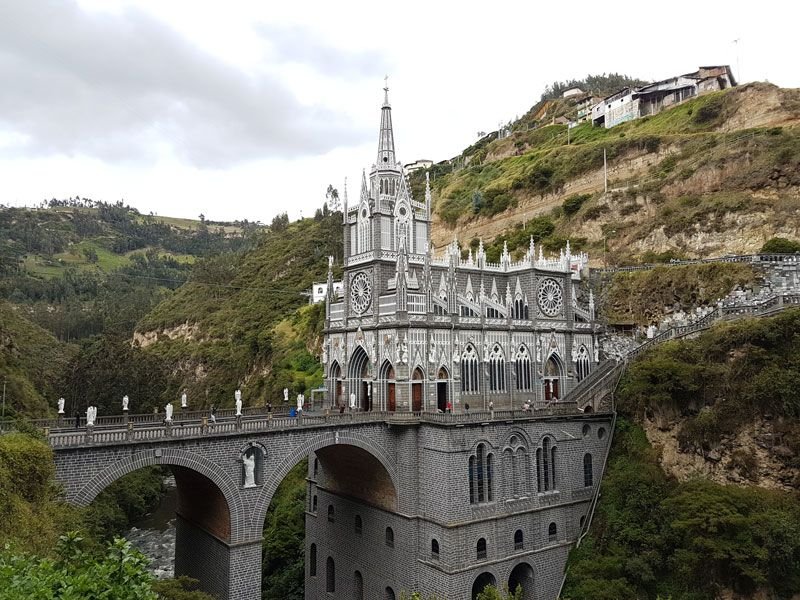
{"x":714,"y":175}
{"x":32,"y":363}
{"x":244,"y":320}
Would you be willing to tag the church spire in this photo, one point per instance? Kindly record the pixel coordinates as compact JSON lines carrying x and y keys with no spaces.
{"x":386,"y":137}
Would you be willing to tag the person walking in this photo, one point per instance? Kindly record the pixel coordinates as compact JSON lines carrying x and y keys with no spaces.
{"x":77,"y":419}
{"x":213,"y":415}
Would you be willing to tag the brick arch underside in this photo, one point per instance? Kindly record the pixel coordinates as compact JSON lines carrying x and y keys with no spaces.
{"x":382,"y":467}
{"x":206,"y":496}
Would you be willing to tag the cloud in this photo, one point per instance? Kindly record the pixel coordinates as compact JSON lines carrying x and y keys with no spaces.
{"x":121,"y":87}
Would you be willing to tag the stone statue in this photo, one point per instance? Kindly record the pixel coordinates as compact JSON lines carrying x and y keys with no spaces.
{"x":324,"y":354}
{"x":485,"y":351}
{"x":238,"y":396}
{"x":432,"y":352}
{"x":596,"y":353}
{"x":352,"y":400}
{"x":330,"y":262}
{"x":299,"y":401}
{"x":286,"y":395}
{"x":184,"y":402}
{"x":125,"y":401}
{"x":91,"y":414}
{"x":574,"y":354}
{"x":403,"y":352}
{"x":61,"y":406}
{"x":168,"y":411}
{"x":538,"y":349}
{"x":249,"y":463}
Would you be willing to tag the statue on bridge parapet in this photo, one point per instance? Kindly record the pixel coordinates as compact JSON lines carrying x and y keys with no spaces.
{"x":286,"y":395}
{"x":91,"y":415}
{"x":168,"y":411}
{"x":61,"y":406}
{"x":238,"y":396}
{"x":125,"y":401}
{"x":184,"y":401}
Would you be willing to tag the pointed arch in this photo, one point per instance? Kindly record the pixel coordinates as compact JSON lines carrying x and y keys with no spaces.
{"x":552,"y":376}
{"x":497,"y":369}
{"x":335,"y":384}
{"x":469,"y":370}
{"x":357,"y":378}
{"x":417,"y":383}
{"x":524,"y":369}
{"x":364,"y":228}
{"x":388,"y":383}
{"x":582,"y":362}
{"x":403,"y":225}
{"x":442,"y":388}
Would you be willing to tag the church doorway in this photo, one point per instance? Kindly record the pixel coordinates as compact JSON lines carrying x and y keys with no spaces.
{"x":441,"y":389}
{"x":552,"y":378}
{"x":387,"y":380}
{"x":335,"y":385}
{"x":416,"y":390}
{"x":358,"y":382}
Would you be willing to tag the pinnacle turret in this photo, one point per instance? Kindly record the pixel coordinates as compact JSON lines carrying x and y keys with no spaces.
{"x":386,"y":157}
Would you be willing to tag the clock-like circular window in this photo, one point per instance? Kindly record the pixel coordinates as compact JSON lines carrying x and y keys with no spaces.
{"x":550,"y":296}
{"x":360,"y":292}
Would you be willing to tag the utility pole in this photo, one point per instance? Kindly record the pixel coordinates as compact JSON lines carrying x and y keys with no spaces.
{"x":605,"y":171}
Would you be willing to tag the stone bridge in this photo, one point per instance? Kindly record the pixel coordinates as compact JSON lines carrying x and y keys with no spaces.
{"x":442,"y":503}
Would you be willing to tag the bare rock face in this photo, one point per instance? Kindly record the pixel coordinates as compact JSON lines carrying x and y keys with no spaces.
{"x":183,"y":331}
{"x":754,"y":456}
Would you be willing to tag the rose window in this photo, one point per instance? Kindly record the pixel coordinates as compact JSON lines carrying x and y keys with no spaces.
{"x":551,"y":298}
{"x":360,"y":293}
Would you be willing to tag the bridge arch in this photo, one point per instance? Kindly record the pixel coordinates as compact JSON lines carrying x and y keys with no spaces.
{"x":189,"y":462}
{"x":324,"y":440}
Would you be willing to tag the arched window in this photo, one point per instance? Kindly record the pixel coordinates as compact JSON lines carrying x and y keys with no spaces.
{"x":389,"y":594}
{"x":546,"y":465}
{"x":481,"y":475}
{"x":524,"y":373}
{"x":519,"y":542}
{"x":312,"y":561}
{"x":358,"y":586}
{"x":582,"y":363}
{"x":493,"y":313}
{"x":358,"y":525}
{"x":588,"y":475}
{"x":330,"y":575}
{"x":434,"y":549}
{"x":497,"y":370}
{"x":364,"y":231}
{"x":331,"y":513}
{"x":472,"y":495}
{"x":520,"y":310}
{"x":481,"y":549}
{"x":316,"y":466}
{"x":552,"y":378}
{"x":469,"y":370}
{"x":390,"y":537}
{"x":314,"y":504}
{"x":552,"y":532}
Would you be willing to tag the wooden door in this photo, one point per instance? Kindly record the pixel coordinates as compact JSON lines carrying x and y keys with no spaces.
{"x":416,"y":397}
{"x":441,"y":395}
{"x":391,"y":403}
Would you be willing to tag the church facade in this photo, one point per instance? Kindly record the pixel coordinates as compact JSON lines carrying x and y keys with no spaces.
{"x":417,"y":330}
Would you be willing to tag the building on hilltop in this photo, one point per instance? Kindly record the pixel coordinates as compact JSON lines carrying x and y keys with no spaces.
{"x":632,"y":103}
{"x":418,"y":165}
{"x":421,"y":331}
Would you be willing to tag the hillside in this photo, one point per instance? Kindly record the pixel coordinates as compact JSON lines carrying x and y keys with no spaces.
{"x":32,"y":363}
{"x":243,"y":319}
{"x":714,"y":175}
{"x":700,"y":499}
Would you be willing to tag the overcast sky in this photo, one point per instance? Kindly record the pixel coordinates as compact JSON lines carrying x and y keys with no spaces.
{"x":247,"y":109}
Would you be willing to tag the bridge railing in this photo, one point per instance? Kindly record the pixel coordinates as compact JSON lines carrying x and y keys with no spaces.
{"x":144,"y":432}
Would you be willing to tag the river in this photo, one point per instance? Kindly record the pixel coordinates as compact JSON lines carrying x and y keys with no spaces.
{"x":154,"y":534}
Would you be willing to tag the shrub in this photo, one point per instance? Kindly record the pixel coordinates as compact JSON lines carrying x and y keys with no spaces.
{"x":573,"y":203}
{"x":779,"y":245}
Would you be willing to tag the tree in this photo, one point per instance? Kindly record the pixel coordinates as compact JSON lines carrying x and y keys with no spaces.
{"x":332,"y":195}
{"x":779,"y":245}
{"x":120,"y":573}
